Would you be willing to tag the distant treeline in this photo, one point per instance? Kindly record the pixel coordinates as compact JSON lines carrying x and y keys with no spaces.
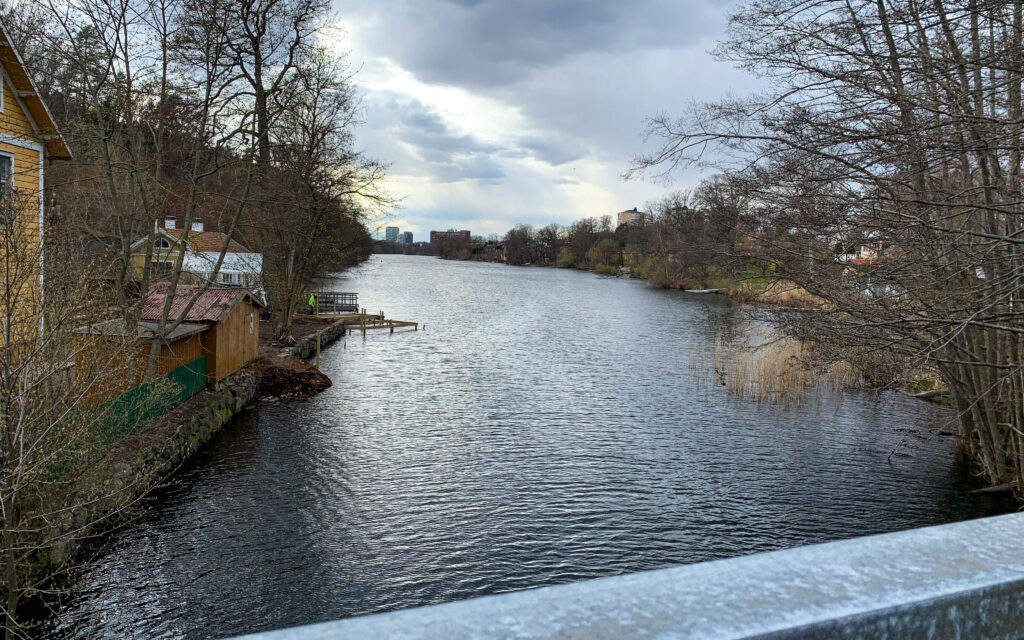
{"x":689,"y":239}
{"x":414,"y":249}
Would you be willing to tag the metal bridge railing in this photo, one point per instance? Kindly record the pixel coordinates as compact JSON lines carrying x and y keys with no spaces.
{"x":962,"y":580}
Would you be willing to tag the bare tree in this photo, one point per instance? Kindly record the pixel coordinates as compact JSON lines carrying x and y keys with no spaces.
{"x":324,"y":187}
{"x":521,"y":245}
{"x":47,"y":437}
{"x":895,"y":126}
{"x":268,"y":40}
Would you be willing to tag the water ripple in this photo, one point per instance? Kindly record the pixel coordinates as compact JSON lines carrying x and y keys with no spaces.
{"x":546,"y":427}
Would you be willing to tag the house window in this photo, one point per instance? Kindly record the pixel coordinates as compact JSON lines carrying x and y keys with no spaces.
{"x":162,"y":243}
{"x":6,"y":186}
{"x":161,"y":269}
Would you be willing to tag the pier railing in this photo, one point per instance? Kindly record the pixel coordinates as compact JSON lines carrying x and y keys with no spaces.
{"x":961,"y":580}
{"x":335,"y":302}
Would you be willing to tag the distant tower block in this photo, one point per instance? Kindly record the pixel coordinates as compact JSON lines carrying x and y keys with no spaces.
{"x":437,"y":237}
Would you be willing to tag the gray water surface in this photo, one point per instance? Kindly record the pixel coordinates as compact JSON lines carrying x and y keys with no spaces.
{"x":545,"y":426}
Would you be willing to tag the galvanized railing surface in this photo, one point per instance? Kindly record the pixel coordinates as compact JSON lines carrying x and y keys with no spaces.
{"x":962,"y":580}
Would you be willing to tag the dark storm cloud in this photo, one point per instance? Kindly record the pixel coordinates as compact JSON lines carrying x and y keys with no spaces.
{"x":495,"y":42}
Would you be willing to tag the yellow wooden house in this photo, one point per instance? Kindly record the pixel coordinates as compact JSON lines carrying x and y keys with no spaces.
{"x":28,"y":139}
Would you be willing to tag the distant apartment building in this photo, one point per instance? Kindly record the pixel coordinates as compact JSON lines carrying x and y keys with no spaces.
{"x":437,"y":237}
{"x":391,"y":234}
{"x":625,"y":216}
{"x":405,"y":237}
{"x":633,"y":216}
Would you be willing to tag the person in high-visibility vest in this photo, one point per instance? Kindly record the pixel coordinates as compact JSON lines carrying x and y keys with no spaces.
{"x":312,"y":304}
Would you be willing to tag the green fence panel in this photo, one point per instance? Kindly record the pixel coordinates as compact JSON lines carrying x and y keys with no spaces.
{"x":151,"y":399}
{"x":192,"y":378}
{"x":112,"y":420}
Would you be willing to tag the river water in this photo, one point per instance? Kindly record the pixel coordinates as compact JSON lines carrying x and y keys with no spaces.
{"x":543,"y":426}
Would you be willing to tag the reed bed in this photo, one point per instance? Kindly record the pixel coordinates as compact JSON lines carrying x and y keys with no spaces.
{"x":779,"y":370}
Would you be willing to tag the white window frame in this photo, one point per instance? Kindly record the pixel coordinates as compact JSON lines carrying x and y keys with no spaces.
{"x":8,"y":183}
{"x":8,"y":154}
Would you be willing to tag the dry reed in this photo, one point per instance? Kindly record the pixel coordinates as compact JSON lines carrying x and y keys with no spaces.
{"x":775,"y":370}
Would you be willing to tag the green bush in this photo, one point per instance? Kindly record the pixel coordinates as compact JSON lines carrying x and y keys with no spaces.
{"x":606,"y":253}
{"x":566,"y":259}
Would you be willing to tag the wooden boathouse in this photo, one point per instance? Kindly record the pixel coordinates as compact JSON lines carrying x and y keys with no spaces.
{"x":112,"y":359}
{"x":231,"y":316}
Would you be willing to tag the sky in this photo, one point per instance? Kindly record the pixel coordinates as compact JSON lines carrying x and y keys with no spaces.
{"x":498,"y":112}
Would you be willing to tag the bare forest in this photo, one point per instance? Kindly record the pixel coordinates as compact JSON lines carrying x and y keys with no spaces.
{"x":235,"y":115}
{"x":881,"y":170}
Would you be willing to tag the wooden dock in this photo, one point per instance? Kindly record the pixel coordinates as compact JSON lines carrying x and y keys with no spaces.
{"x":368,"y":322}
{"x":338,"y":305}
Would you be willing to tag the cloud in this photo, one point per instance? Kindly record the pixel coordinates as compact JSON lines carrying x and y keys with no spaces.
{"x":553,"y":151}
{"x":419,"y":141}
{"x":490,"y":43}
{"x":497,"y":106}
{"x":475,"y":167}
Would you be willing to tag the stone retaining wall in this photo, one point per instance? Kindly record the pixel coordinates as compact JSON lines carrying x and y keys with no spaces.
{"x":222,"y":402}
{"x":143,"y":460}
{"x":306,"y":348}
{"x":104,"y":496}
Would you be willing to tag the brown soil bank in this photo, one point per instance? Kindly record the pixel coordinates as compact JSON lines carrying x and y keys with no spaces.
{"x":302,"y":327}
{"x":288,"y":378}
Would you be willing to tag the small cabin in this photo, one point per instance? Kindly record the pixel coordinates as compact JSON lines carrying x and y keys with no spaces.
{"x":231,"y":317}
{"x":112,"y":359}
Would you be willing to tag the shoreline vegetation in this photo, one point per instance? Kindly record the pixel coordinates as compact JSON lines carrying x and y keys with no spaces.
{"x":903,"y":212}
{"x":203,"y":149}
{"x":682,"y":245}
{"x":116,"y":484}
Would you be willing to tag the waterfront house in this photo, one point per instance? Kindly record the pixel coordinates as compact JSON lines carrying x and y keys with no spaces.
{"x":29,"y":138}
{"x":112,"y":359}
{"x":241,"y":267}
{"x":230,"y":315}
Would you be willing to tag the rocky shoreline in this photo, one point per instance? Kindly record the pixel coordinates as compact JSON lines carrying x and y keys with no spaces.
{"x":109,"y":493}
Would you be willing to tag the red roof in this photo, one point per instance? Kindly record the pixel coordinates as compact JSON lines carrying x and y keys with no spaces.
{"x":208,"y":241}
{"x":212,"y":305}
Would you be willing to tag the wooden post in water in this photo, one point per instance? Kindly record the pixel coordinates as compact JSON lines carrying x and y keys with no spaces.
{"x":317,"y":348}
